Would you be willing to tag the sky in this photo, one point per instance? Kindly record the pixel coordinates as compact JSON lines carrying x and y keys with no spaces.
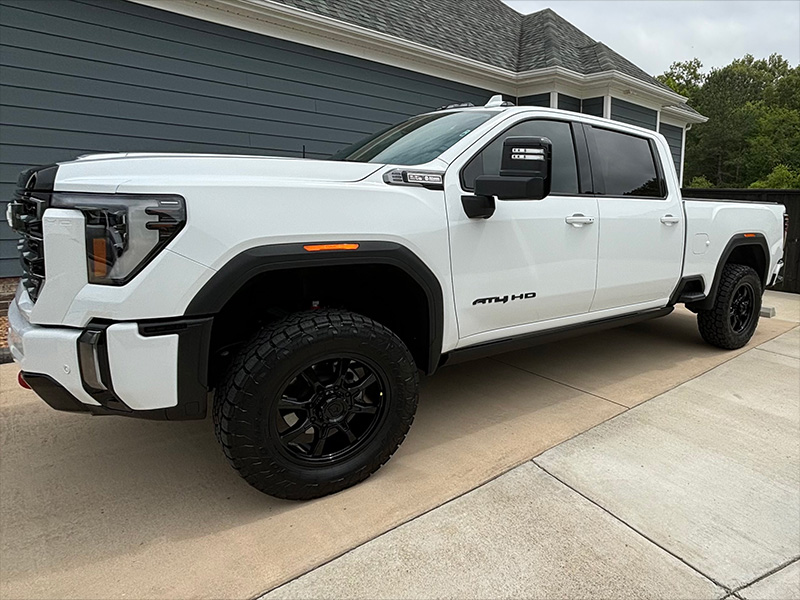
{"x":655,"y":33}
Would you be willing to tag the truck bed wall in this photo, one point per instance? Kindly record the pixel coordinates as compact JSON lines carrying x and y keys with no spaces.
{"x":791,"y":201}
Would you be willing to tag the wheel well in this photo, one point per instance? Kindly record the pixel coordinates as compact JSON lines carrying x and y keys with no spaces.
{"x":751,"y":255}
{"x":743,"y":249}
{"x":382,"y":292}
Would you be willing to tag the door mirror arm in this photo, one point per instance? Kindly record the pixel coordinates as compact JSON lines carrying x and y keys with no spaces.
{"x":478,"y":207}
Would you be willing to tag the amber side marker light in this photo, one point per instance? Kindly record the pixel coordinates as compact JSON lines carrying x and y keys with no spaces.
{"x":749,"y":235}
{"x":323,"y":247}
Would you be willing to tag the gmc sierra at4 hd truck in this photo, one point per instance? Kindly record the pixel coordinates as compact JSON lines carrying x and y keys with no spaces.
{"x":307,"y":295}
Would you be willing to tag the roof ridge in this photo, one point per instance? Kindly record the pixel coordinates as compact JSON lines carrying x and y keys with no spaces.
{"x":486,"y":31}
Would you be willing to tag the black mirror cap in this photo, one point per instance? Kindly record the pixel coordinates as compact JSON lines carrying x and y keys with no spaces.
{"x":525,"y":170}
{"x":512,"y":188}
{"x":526,"y":156}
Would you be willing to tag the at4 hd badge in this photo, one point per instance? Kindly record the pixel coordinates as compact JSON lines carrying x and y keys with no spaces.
{"x":504,"y":299}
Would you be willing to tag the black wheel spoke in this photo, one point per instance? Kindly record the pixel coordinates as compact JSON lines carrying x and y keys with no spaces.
{"x":342,"y":365}
{"x":367,"y":381}
{"x":290,"y":403}
{"x":295,"y":431}
{"x":361,"y":408}
{"x":311,"y":379}
{"x":345,"y":429}
{"x":322,"y":434}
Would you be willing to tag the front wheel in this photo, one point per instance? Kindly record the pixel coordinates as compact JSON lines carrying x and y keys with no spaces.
{"x":732,"y":321}
{"x":316,"y":403}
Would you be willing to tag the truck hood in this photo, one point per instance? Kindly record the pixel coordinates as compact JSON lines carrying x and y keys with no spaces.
{"x":106,"y":173}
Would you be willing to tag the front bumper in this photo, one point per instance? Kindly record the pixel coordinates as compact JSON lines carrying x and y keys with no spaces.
{"x":150,"y":369}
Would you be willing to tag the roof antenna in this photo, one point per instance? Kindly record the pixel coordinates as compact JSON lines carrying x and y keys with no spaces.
{"x":497,"y":100}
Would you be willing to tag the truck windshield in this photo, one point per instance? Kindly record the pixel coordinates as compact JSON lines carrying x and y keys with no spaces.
{"x":416,"y":141}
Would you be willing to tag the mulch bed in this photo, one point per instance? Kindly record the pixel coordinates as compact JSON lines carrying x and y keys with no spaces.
{"x":5,"y":354}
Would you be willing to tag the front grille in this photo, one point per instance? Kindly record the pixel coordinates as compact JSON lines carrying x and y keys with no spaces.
{"x":25,"y":212}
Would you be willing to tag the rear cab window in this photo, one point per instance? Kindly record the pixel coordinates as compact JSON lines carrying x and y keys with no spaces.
{"x":626,"y":165}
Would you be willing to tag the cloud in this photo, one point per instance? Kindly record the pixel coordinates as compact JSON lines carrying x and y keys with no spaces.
{"x":656,"y":33}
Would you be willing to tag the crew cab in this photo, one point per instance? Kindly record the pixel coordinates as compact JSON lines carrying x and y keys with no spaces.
{"x":308,"y":295}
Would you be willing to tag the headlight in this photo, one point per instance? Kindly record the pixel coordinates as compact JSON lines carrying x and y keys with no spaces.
{"x":124,"y":232}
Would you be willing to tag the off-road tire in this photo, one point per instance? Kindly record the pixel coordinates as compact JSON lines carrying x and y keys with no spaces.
{"x":254,"y":385}
{"x":715,"y":324}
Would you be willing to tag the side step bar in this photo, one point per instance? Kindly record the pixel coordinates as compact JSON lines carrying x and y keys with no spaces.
{"x":543,"y":337}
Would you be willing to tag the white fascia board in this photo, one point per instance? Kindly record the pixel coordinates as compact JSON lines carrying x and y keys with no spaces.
{"x":267,"y":17}
{"x":672,"y":120}
{"x":682,"y":116}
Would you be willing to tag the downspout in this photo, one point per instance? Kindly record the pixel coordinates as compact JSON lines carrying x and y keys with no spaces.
{"x":683,"y":149}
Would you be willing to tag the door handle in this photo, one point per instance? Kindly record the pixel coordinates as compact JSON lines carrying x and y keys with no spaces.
{"x":670,"y":220}
{"x":579,"y":220}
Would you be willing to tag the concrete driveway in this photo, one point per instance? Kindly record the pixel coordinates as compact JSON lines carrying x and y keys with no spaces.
{"x":109,"y":507}
{"x":693,"y":494}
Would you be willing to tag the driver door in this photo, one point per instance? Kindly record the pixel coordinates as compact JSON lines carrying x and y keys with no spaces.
{"x":531,"y":261}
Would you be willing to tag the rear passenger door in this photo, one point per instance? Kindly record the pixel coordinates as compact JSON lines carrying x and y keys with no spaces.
{"x":641,"y":221}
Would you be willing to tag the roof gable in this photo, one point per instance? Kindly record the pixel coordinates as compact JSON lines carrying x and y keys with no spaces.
{"x":487,"y":31}
{"x":457,"y":26}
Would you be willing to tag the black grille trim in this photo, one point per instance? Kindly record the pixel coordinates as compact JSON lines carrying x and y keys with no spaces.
{"x":30,"y":200}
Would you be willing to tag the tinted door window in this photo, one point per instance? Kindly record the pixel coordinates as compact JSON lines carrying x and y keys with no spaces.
{"x":627,"y":164}
{"x":565,"y":170}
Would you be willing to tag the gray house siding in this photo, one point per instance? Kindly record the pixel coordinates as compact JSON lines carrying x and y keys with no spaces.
{"x":674,"y":136}
{"x":569,"y":103}
{"x":592,"y":106}
{"x":633,"y":114}
{"x":537,"y":100}
{"x":84,"y":76}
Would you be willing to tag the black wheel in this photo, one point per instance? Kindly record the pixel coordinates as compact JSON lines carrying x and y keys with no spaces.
{"x":316,"y":403}
{"x":732,"y":321}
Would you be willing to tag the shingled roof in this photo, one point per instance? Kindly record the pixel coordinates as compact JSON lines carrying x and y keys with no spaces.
{"x":487,"y":31}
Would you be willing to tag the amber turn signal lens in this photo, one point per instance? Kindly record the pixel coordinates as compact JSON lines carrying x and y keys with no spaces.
{"x":321,"y":247}
{"x":99,"y":257}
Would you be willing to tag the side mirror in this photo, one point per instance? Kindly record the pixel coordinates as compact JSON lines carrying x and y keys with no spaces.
{"x":525,"y":171}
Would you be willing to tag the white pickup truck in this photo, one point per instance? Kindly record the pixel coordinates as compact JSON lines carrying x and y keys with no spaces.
{"x":309,"y":294}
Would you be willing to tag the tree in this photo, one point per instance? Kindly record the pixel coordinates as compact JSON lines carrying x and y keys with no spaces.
{"x":775,"y":141}
{"x":781,"y":178}
{"x":753,"y":108}
{"x":700,"y":182}
{"x":684,"y":77}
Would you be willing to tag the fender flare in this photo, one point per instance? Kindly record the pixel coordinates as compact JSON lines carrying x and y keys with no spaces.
{"x":252,"y":262}
{"x":736,"y":241}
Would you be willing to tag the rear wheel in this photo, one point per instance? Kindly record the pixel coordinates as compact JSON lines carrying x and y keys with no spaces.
{"x":316,"y":403}
{"x":733,"y":319}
